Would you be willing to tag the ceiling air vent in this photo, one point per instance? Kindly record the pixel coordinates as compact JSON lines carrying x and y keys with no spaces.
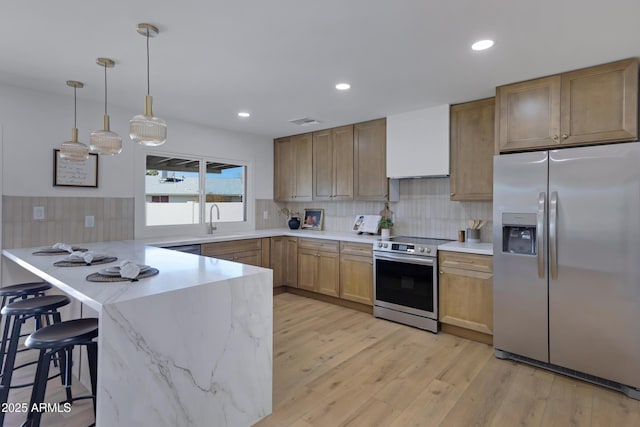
{"x":305,"y":121}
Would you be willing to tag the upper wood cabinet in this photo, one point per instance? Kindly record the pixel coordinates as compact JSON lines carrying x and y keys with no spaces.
{"x":370,"y":164}
{"x":472,"y":144}
{"x":293,"y":163}
{"x":333,"y":164}
{"x":596,"y":104}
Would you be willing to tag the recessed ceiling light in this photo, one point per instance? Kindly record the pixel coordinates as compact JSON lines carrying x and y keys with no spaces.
{"x":482,"y":45}
{"x":343,"y":86}
{"x":243,"y":114}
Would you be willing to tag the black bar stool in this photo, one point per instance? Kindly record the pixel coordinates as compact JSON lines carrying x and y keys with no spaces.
{"x":16,"y":314}
{"x":11,"y":293}
{"x":61,"y":338}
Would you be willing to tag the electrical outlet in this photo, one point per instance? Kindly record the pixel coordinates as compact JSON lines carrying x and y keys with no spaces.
{"x":89,"y":221}
{"x":38,"y":213}
{"x":265,"y":215}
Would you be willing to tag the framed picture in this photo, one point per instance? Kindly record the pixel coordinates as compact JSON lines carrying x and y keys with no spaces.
{"x":313,"y":219}
{"x":73,"y":173}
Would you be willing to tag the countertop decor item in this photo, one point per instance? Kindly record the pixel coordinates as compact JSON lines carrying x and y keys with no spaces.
{"x":313,"y":219}
{"x":74,"y":150}
{"x":385,"y":227}
{"x":145,"y":129}
{"x":294,"y":223}
{"x":105,"y":141}
{"x":99,"y":277}
{"x":473,"y":232}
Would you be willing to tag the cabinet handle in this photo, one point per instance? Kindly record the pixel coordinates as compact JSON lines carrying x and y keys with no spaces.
{"x":441,"y":272}
{"x":555,"y":138}
{"x":565,"y":136}
{"x":452,"y":194}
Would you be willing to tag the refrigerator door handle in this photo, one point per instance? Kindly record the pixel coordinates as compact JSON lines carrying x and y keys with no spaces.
{"x":542,"y":213}
{"x":553,"y":233}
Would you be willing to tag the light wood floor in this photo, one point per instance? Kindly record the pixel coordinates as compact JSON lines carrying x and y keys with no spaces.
{"x":80,"y":415}
{"x":338,"y":367}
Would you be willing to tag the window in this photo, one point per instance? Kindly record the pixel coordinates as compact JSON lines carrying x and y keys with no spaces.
{"x":181,"y":191}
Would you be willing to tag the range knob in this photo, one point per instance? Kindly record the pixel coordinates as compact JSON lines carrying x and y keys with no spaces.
{"x":428,"y":250}
{"x":386,"y":245}
{"x":421,"y":249}
{"x":379,"y":244}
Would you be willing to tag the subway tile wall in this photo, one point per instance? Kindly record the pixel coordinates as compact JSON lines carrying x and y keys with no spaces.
{"x":424,"y":209}
{"x":64,"y":220}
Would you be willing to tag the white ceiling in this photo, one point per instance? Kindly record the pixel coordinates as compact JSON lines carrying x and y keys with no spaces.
{"x":280,"y":59}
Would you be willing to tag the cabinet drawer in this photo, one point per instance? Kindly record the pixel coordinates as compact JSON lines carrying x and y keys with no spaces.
{"x":318,"y":244}
{"x":465,"y":261}
{"x":220,"y":248}
{"x":350,"y":248}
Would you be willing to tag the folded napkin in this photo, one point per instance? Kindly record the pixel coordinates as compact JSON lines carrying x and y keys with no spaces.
{"x":63,"y":246}
{"x":129,"y":269}
{"x":86,"y":256}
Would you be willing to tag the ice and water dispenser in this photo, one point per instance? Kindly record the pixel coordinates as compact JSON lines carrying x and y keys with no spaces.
{"x":519,"y":233}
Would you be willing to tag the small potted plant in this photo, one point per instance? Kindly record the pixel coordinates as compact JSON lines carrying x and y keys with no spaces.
{"x":385,"y":225}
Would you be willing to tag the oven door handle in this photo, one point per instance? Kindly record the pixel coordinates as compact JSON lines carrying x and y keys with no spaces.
{"x":407,"y":259}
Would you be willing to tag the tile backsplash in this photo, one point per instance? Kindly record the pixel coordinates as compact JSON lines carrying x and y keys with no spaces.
{"x":65,"y":220}
{"x":424,"y":209}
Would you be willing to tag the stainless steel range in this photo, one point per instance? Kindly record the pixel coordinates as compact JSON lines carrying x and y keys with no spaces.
{"x":405,"y":281}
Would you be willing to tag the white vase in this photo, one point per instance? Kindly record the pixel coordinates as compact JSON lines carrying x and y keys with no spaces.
{"x":385,"y":233}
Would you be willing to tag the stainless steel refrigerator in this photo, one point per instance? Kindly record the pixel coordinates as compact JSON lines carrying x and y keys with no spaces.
{"x":566,"y":242}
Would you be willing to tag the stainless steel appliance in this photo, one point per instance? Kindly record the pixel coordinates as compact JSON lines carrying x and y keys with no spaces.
{"x":566,"y":243}
{"x":405,"y":281}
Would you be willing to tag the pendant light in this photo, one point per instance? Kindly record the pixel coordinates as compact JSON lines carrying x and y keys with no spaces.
{"x":145,"y":129}
{"x":74,"y":150}
{"x":104,"y":141}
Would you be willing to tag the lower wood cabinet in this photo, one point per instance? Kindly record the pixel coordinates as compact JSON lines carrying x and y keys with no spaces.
{"x":466,"y":294}
{"x":318,"y":266}
{"x":284,"y":261}
{"x":356,"y":272}
{"x":247,"y":251}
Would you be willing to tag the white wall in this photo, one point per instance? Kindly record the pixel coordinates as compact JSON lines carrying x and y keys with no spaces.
{"x":34,"y":123}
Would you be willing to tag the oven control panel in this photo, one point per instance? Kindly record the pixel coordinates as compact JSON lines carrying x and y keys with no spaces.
{"x":404,"y":248}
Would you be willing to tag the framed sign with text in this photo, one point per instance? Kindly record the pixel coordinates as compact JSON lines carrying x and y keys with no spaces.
{"x":73,"y":173}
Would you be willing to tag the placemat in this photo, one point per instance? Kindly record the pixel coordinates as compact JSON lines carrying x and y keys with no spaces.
{"x":97,"y":277}
{"x":60,"y":252}
{"x":64,"y":263}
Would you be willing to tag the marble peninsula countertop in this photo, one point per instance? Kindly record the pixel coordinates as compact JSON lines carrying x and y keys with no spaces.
{"x":192,"y":345}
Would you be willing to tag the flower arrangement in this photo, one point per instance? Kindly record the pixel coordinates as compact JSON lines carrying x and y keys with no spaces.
{"x":385,"y":223}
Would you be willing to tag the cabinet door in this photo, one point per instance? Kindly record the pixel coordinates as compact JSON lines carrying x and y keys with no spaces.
{"x":277,"y":261}
{"x":370,"y":164}
{"x":528,"y":114}
{"x":322,"y":165}
{"x":307,"y":266}
{"x":600,"y":104}
{"x":249,"y":257}
{"x":291,"y":262}
{"x":283,"y":169}
{"x":472,"y":148}
{"x":356,"y":278}
{"x":342,"y":152}
{"x":328,"y":273}
{"x":466,"y":299}
{"x":303,"y":167}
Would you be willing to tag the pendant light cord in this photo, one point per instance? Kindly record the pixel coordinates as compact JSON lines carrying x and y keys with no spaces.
{"x":75,"y":107}
{"x":148,"y":84}
{"x":105,"y":89}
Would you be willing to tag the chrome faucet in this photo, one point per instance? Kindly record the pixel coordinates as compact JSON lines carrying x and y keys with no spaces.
{"x":211,"y":226}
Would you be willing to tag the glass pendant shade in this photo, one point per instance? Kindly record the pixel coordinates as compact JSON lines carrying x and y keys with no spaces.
{"x":104,"y":141}
{"x":145,"y":129}
{"x":74,"y":150}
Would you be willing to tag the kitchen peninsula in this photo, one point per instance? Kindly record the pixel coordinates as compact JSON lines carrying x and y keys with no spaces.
{"x":190,"y":346}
